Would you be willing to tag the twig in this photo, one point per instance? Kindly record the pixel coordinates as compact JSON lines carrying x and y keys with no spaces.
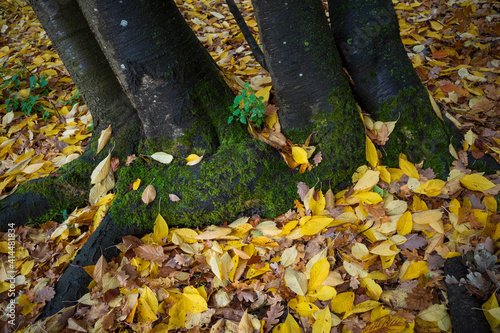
{"x":257,"y":52}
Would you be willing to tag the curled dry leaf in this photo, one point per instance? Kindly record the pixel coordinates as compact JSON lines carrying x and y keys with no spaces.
{"x":103,"y":139}
{"x":193,"y":159}
{"x":149,"y":194}
{"x":130,"y":159}
{"x":115,"y":163}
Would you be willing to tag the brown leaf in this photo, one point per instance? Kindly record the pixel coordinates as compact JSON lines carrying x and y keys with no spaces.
{"x":45,"y":294}
{"x":302,"y":190}
{"x":318,"y":158}
{"x":173,"y":197}
{"x":151,"y":252}
{"x":130,"y":159}
{"x":149,"y":194}
{"x":115,"y":163}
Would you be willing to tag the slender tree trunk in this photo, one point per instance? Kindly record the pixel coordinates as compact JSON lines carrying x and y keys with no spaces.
{"x":385,"y":83}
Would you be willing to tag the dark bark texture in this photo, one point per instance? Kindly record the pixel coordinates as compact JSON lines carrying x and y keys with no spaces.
{"x":385,"y":83}
{"x":465,"y":309}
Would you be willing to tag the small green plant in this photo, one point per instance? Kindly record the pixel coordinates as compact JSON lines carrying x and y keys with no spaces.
{"x":27,"y":103}
{"x":247,"y":106}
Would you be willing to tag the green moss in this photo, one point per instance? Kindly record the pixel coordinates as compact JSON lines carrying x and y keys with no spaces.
{"x":419,"y":133}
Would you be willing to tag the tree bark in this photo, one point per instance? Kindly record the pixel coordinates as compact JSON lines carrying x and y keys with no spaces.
{"x":164,"y":70}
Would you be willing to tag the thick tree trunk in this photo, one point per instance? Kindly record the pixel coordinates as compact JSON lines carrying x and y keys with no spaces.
{"x":312,"y":91}
{"x":42,"y":200}
{"x":385,"y":83}
{"x":164,"y":69}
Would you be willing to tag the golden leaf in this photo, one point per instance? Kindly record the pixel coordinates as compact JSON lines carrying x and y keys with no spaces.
{"x":299,"y":155}
{"x":342,"y":302}
{"x":371,"y":153}
{"x":323,"y":323}
{"x":407,"y":167}
{"x":476,"y":182}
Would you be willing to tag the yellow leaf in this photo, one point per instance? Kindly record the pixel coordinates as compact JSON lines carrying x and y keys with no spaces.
{"x":25,"y":304}
{"x":27,"y":267}
{"x":370,"y":198}
{"x":136,"y":184}
{"x":323,"y":323}
{"x":305,"y":309}
{"x":490,"y":304}
{"x":296,"y":281}
{"x":386,"y":324}
{"x":319,"y":273}
{"x":299,"y":155}
{"x":195,"y":303}
{"x":271,"y":120}
{"x":435,"y":107}
{"x":431,"y":188}
{"x":436,"y":26}
{"x":193,"y":159}
{"x":149,"y":194}
{"x":148,"y":306}
{"x":373,"y":290}
{"x":264,"y":241}
{"x":319,"y":205}
{"x":427,"y":216}
{"x":315,"y":225}
{"x":160,"y":230}
{"x":476,"y":182}
{"x":434,"y":312}
{"x":288,"y":256}
{"x":369,"y":179}
{"x":404,"y":224}
{"x":324,"y":293}
{"x":101,"y":170}
{"x":177,"y":316}
{"x":264,"y":92}
{"x":103,"y":139}
{"x":362,"y":307}
{"x":385,"y":249}
{"x":290,"y":325}
{"x":407,"y":167}
{"x":415,"y":270}
{"x":371,"y":153}
{"x":342,"y":302}
{"x":216,"y":232}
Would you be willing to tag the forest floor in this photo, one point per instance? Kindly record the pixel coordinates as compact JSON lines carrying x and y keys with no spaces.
{"x":310,"y":268}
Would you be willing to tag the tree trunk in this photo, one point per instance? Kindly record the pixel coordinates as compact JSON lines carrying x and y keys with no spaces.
{"x":385,"y":83}
{"x":41,"y":200}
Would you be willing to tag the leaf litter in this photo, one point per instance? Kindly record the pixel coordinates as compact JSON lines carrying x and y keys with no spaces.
{"x":366,"y":259}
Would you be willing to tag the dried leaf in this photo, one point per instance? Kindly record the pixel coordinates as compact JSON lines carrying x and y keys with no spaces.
{"x":162,"y":157}
{"x":101,"y":170}
{"x":149,"y":194}
{"x":103,"y":139}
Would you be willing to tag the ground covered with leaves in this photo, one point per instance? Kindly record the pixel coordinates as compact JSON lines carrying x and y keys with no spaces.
{"x":366,"y":259}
